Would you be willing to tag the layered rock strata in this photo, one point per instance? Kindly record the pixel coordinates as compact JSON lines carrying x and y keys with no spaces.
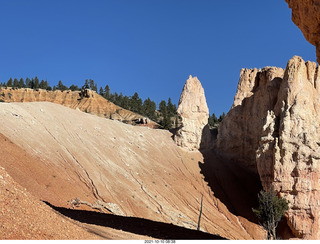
{"x":306,"y":15}
{"x":273,"y":128}
{"x":86,"y":101}
{"x":194,"y":112}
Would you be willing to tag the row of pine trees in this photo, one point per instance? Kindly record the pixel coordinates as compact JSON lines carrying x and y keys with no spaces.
{"x":166,"y":115}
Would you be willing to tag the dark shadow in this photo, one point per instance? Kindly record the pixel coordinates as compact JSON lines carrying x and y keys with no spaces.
{"x":236,"y":187}
{"x":229,"y":170}
{"x":135,"y":225}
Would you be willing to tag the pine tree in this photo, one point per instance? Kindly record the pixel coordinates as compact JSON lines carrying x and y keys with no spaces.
{"x":10,"y":83}
{"x":42,"y":85}
{"x":61,"y":87}
{"x":136,"y":103}
{"x":28,"y":82}
{"x":213,"y":120}
{"x":101,"y":91}
{"x":270,"y":211}
{"x":36,"y":83}
{"x":171,"y":108}
{"x":107,"y":92}
{"x":74,"y":88}
{"x":86,"y":84}
{"x":15,"y":83}
{"x":21,"y":83}
{"x":149,"y":108}
{"x":125,"y":102}
{"x":222,"y":116}
{"x":92,"y":85}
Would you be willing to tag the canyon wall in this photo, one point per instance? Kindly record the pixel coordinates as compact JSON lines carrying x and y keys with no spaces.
{"x":273,"y":128}
{"x":306,"y":15}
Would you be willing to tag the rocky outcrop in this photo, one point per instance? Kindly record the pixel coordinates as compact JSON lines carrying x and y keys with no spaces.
{"x":274,"y":129}
{"x":194,"y":112}
{"x":240,"y":132}
{"x":85,"y":100}
{"x":306,"y":15}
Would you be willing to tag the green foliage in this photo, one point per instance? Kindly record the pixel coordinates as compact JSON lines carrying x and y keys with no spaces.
{"x":10,"y":83}
{"x":61,"y":86}
{"x":166,"y":116}
{"x":214,"y":122}
{"x":222,"y":116}
{"x":74,"y":88}
{"x":149,"y":109}
{"x":270,"y":211}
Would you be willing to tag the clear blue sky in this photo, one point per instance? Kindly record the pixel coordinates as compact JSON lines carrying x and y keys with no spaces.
{"x":148,"y":46}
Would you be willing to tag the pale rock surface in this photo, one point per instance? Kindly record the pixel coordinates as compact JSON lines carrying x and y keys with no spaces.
{"x":194,"y":113}
{"x":306,"y":15}
{"x":240,"y":132}
{"x":274,"y":129}
{"x":59,"y":154}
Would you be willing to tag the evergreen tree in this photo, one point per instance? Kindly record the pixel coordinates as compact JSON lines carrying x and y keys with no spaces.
{"x":107,"y":92}
{"x":28,"y":82}
{"x":125,"y":102}
{"x":61,"y":87}
{"x":213,"y":120}
{"x":15,"y":83}
{"x":86,"y":84}
{"x":21,"y":83}
{"x":136,"y":103}
{"x":92,"y":85}
{"x":165,"y":121}
{"x":31,"y":83}
{"x":163,"y":107}
{"x":172,"y":109}
{"x":149,"y":108}
{"x":10,"y":83}
{"x":118,"y":99}
{"x":36,"y":83}
{"x":222,"y":116}
{"x":43,"y":85}
{"x":270,"y":211}
{"x":74,"y":88}
{"x":101,"y":92}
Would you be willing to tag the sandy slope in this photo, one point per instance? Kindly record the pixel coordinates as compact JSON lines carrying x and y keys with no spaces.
{"x":75,"y":154}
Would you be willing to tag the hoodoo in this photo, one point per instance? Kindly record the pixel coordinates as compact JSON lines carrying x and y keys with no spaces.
{"x":273,"y":128}
{"x":194,"y":112}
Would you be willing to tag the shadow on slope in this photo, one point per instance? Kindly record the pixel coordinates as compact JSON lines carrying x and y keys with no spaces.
{"x":236,"y":187}
{"x":135,"y":225}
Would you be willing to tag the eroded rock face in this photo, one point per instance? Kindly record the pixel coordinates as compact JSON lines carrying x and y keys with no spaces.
{"x":306,"y":15}
{"x":194,"y":113}
{"x":240,"y":132}
{"x":274,"y":129}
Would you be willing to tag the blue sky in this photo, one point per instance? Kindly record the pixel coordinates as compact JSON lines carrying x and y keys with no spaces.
{"x":147,"y":46}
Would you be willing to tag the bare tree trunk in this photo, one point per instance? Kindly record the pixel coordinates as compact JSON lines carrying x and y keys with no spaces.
{"x":200,"y":213}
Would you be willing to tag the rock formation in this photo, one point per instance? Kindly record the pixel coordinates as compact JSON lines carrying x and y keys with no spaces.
{"x":85,"y":100}
{"x":194,"y":112}
{"x":306,"y":15}
{"x":273,"y":128}
{"x":240,"y":131}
